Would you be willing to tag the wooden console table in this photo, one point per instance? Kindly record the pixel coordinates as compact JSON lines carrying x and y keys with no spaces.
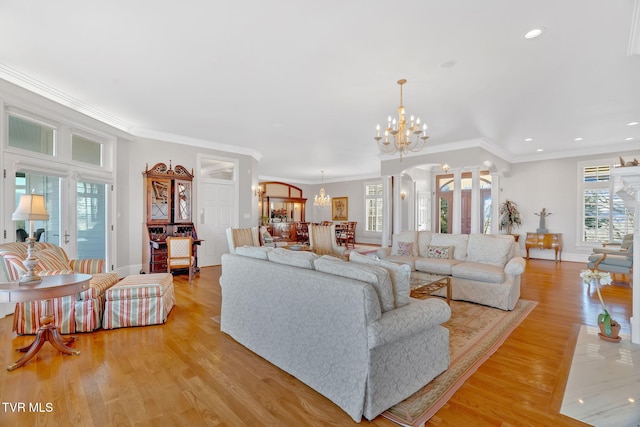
{"x":50,"y":287}
{"x":545,"y":241}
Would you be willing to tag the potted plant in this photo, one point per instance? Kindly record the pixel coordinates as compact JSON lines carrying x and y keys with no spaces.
{"x":609,"y":328}
{"x":509,"y":216}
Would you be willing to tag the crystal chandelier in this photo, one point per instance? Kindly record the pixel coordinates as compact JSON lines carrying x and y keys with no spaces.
{"x":322,"y":199}
{"x":402,"y":132}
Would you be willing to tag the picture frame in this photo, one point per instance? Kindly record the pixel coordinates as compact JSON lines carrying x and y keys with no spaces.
{"x":340,"y":209}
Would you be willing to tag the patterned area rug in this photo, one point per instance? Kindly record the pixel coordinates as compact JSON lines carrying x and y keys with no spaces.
{"x":476,"y":332}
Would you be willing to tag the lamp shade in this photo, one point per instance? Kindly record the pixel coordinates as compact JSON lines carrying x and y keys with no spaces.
{"x":31,"y":208}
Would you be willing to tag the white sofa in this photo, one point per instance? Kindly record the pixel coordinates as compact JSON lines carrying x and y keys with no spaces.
{"x":340,"y":327}
{"x":484,"y":268}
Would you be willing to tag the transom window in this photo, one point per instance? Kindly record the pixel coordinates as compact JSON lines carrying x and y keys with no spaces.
{"x":31,"y":135}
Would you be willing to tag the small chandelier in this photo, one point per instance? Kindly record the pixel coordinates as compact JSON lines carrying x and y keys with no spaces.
{"x":402,"y":132}
{"x":322,"y":199}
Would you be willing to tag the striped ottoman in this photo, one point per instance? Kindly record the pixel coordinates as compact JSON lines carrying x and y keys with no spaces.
{"x":139,"y":300}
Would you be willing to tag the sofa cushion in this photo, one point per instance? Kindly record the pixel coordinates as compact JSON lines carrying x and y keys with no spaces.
{"x":399,"y":273}
{"x":443,"y":252}
{"x":399,"y":259}
{"x":424,"y":240}
{"x":436,"y":265}
{"x":296,"y":259}
{"x":258,"y":252}
{"x":457,"y":240}
{"x":489,"y":249}
{"x":405,"y":244}
{"x":376,"y":276}
{"x":478,"y":271}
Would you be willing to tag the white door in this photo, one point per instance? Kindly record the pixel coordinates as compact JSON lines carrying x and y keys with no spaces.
{"x":217,"y":206}
{"x":217,"y":210}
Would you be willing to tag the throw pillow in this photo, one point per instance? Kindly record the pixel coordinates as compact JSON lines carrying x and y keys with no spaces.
{"x":296,"y":259}
{"x":258,"y":252}
{"x":400,"y":275}
{"x":442,"y":252}
{"x":378,"y":277}
{"x":51,"y":259}
{"x":403,"y":248}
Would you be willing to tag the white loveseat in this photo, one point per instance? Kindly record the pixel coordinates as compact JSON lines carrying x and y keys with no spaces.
{"x":484,"y":268}
{"x":345,"y":329}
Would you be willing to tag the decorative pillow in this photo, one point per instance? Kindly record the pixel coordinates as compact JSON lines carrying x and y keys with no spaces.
{"x":378,"y":277}
{"x":258,"y":252}
{"x":442,"y":252}
{"x":51,"y":259}
{"x":296,"y":259}
{"x":405,"y":244}
{"x":400,"y":275}
{"x":402,"y":249}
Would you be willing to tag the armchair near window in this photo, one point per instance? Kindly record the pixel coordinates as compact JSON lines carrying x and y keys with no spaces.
{"x":616,"y":248}
{"x":613,"y":261}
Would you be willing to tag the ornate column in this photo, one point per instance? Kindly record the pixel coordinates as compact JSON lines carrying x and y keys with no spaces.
{"x":628,"y":188}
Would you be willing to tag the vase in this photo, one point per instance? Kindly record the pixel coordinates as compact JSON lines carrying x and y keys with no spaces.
{"x":615,"y":331}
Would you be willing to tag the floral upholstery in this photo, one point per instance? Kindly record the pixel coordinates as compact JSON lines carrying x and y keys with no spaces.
{"x":73,"y":313}
{"x":330,"y":332}
{"x":484,"y":268}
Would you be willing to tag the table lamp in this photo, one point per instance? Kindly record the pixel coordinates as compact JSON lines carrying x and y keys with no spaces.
{"x":30,"y":208}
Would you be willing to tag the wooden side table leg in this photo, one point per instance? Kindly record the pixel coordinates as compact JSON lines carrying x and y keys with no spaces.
{"x":47,"y":331}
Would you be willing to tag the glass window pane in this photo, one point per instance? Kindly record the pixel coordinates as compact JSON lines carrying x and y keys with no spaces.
{"x":217,"y":169}
{"x":85,"y":150}
{"x":91,"y":220}
{"x":32,"y":136}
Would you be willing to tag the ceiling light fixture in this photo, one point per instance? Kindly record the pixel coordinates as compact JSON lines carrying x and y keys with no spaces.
{"x":578,"y":139}
{"x":532,"y":34}
{"x":402,"y":132}
{"x":632,"y":123}
{"x":629,"y":139}
{"x":322,"y":199}
{"x":528,"y":139}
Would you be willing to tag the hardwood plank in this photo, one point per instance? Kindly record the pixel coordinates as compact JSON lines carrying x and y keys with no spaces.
{"x":187,"y":372}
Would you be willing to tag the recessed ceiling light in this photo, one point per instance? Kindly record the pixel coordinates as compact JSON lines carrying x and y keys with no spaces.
{"x":532,"y":34}
{"x":539,"y":150}
{"x":629,"y":139}
{"x":578,"y":139}
{"x":528,"y":139}
{"x":632,"y":123}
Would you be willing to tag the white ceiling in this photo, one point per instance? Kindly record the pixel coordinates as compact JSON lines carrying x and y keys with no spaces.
{"x":304,"y":83}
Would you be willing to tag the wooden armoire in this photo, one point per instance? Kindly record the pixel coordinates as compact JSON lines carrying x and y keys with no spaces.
{"x":168,"y":213}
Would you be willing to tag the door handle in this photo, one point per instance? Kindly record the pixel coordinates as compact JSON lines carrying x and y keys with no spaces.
{"x":66,"y":237}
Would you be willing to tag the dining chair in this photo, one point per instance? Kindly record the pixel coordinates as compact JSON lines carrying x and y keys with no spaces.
{"x":180,"y":255}
{"x":348,"y":234}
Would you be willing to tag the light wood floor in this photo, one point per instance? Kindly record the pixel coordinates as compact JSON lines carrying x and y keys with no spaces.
{"x":187,"y":373}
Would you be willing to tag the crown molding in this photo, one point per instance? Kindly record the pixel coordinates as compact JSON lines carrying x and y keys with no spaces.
{"x":634,"y":38}
{"x":196,"y":142}
{"x":36,"y":86}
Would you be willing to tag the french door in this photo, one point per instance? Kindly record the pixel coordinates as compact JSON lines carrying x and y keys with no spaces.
{"x":78,"y":209}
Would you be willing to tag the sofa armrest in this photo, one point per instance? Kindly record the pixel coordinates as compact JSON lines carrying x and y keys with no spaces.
{"x":87,"y":266}
{"x":407,"y":320}
{"x":383,"y":252}
{"x":515,"y":266}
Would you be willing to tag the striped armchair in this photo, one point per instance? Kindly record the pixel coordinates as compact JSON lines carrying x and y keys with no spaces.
{"x":74,"y":313}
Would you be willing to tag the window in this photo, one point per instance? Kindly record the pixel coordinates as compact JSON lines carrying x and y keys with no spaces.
{"x":373,"y":207}
{"x":604,"y":215}
{"x":85,"y":150}
{"x":30,"y":135}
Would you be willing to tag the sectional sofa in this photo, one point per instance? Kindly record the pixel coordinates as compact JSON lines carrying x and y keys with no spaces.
{"x":349,"y":330}
{"x":484,"y":268}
